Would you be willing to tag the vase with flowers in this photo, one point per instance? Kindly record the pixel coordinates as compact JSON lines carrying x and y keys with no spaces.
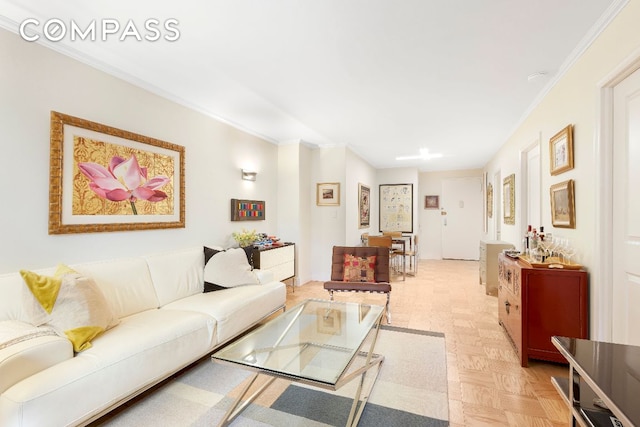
{"x":245,"y":237}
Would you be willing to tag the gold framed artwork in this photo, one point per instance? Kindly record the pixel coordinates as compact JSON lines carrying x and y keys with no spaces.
{"x":561,"y":151}
{"x":432,"y":202}
{"x":489,"y":200}
{"x":328,"y":194}
{"x":509,"y":199}
{"x":364,"y":206}
{"x":563,"y":211}
{"x":107,"y":179}
{"x":396,"y":207}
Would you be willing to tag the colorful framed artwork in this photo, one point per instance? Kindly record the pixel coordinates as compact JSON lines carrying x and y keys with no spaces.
{"x":432,"y":202}
{"x":107,"y":179}
{"x":248,"y":210}
{"x":509,"y":199}
{"x":561,"y":151}
{"x":563,"y":211}
{"x":328,"y":194}
{"x":364,"y":206}
{"x":396,"y":207}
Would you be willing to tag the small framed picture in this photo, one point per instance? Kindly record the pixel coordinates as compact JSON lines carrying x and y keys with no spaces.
{"x":432,"y":202}
{"x":561,"y":151}
{"x":563,"y":211}
{"x":509,"y":199}
{"x":328,"y":194}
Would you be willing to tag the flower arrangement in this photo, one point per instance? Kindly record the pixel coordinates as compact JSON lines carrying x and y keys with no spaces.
{"x":245,"y":237}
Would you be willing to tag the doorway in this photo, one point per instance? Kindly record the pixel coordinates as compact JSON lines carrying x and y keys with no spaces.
{"x":462,"y":205}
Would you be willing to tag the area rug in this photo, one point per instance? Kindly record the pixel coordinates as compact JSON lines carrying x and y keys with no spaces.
{"x":411,"y":390}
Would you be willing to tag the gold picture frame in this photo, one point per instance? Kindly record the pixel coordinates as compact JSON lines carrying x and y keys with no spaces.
{"x":489,"y":200}
{"x":509,"y":199}
{"x":563,"y":211}
{"x":107,"y":179}
{"x":561,"y":151}
{"x":364,"y":206}
{"x":328,"y":194}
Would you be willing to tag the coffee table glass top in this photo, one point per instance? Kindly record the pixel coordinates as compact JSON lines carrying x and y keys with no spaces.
{"x":315,"y":340}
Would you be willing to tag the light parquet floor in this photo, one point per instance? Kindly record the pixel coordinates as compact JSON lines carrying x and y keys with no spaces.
{"x":487,"y":386}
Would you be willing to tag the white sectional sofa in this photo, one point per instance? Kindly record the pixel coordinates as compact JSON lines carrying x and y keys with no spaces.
{"x":166,"y":322}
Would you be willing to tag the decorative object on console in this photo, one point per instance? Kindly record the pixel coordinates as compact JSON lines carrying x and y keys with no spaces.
{"x":108,"y":179}
{"x":509,"y":199}
{"x":328,"y":194}
{"x":364,"y":206}
{"x":396,"y":207}
{"x":70,"y":303}
{"x":561,"y":151}
{"x":563,"y":211}
{"x":248,"y":210}
{"x":432,"y":202}
{"x":245,"y":237}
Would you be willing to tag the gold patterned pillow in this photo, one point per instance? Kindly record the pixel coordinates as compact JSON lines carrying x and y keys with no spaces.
{"x":358,"y":269}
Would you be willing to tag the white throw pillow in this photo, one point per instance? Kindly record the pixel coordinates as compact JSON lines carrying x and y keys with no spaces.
{"x":229,"y":268}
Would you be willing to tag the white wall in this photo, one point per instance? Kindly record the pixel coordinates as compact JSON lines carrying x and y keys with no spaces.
{"x":573,"y":100}
{"x":430,"y":236}
{"x":35,"y":80}
{"x":328,"y":164}
{"x":359,"y":172}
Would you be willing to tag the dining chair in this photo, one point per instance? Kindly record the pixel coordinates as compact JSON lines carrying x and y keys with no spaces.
{"x":386,"y":242}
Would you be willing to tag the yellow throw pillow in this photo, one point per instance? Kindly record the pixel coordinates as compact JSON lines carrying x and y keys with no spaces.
{"x":71,"y":303}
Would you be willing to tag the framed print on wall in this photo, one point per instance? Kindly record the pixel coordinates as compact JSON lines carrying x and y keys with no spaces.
{"x":364,"y":206}
{"x":248,"y":210}
{"x":489,"y":200}
{"x":328,"y":194}
{"x":396,"y":207}
{"x":432,"y":202}
{"x":563,"y":211}
{"x":107,"y":179}
{"x":509,"y":199}
{"x":561,"y":151}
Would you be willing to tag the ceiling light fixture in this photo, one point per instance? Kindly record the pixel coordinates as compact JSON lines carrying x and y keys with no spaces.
{"x":424,"y":155}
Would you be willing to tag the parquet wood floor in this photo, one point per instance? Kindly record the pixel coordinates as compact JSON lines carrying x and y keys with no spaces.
{"x":487,"y":386}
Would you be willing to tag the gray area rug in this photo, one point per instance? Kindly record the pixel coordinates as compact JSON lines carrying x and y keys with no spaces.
{"x":411,"y":390}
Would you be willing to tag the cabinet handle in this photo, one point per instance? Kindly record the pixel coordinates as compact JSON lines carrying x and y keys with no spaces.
{"x":507,"y":306}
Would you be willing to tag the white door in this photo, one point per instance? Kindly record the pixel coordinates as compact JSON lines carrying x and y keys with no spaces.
{"x":626,"y":211}
{"x":462,"y":220}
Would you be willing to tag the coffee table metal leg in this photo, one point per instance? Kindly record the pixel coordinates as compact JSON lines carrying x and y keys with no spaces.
{"x":239,"y":405}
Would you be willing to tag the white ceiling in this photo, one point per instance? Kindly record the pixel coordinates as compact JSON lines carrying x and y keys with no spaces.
{"x":383,"y":77}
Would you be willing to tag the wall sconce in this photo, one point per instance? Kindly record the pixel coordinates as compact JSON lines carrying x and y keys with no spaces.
{"x":249,"y":176}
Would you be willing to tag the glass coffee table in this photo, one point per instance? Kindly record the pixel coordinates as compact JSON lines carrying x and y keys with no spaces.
{"x":317,"y":342}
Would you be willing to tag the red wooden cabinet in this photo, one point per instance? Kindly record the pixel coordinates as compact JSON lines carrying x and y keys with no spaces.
{"x":535,"y":304}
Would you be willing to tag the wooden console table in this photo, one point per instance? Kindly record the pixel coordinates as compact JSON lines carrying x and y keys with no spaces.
{"x":599,"y":370}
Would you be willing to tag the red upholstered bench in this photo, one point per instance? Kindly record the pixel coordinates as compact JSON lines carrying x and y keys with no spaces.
{"x":381,"y":272}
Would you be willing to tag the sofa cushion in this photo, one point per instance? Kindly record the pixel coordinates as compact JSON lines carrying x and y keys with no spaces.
{"x":125,"y":282}
{"x":228,"y":268}
{"x":26,"y":350}
{"x":237,"y":308}
{"x":69,"y":302}
{"x":177,"y":274}
{"x":124,"y":360}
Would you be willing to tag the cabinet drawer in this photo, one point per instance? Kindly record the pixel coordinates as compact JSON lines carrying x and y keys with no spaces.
{"x":283,"y":271}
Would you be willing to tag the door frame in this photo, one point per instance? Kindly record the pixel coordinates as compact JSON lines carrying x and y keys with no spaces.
{"x":602,"y":275}
{"x":524,"y":185}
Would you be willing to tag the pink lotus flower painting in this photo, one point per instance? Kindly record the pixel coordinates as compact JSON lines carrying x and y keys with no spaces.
{"x":124,"y":180}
